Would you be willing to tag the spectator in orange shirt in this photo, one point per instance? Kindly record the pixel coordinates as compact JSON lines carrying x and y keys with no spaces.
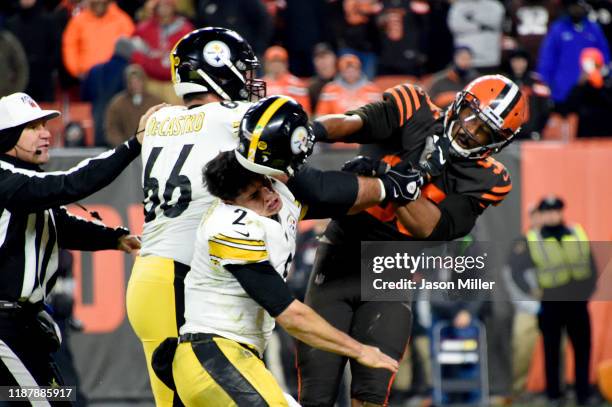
{"x":279,"y":80}
{"x":349,"y":90}
{"x":90,"y":36}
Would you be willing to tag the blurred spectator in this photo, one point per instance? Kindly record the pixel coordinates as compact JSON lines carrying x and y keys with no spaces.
{"x":13,"y":64}
{"x":477,"y":24}
{"x":279,"y":80}
{"x":523,"y":288}
{"x":126,"y":108}
{"x":559,"y":58}
{"x":446,"y":84}
{"x":349,"y":90}
{"x":566,"y":275}
{"x":530,"y":22}
{"x":90,"y":36}
{"x":325,"y":68}
{"x":41,"y":45}
{"x":537,"y":93}
{"x":591,"y":98}
{"x":300,"y":25}
{"x":74,"y":135}
{"x":249,"y":18}
{"x":357,"y":32}
{"x":103,"y":82}
{"x":403,"y":46}
{"x":458,"y":316}
{"x":154,"y":40}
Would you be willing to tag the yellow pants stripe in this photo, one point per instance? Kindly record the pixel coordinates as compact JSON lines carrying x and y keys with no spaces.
{"x":155,"y":309}
{"x":220,"y":372}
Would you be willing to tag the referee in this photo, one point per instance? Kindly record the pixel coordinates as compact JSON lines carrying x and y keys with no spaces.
{"x":34,"y":225}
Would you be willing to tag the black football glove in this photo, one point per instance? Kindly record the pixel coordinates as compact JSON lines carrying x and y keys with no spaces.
{"x":402,"y":186}
{"x":362,"y":165}
{"x":434,"y":156}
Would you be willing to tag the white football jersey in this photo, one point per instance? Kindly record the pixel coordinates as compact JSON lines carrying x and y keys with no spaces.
{"x":178,"y":143}
{"x":215,"y":302}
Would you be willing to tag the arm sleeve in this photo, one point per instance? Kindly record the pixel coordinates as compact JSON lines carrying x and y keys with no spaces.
{"x":458,"y":214}
{"x":264,"y":285}
{"x":29,"y":191}
{"x":326,"y":193}
{"x":79,"y":234}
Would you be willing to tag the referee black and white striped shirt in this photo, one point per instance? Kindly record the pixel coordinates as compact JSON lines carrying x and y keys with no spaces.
{"x":34,"y":224}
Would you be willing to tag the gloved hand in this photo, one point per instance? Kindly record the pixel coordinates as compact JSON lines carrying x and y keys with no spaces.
{"x":402,"y":185}
{"x":434,"y":156}
{"x":362,"y":165}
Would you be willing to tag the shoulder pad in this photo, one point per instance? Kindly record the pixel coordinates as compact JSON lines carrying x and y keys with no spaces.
{"x":236,"y":236}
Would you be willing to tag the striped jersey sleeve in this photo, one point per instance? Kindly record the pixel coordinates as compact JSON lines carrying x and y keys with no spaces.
{"x":407,"y":100}
{"x":238,"y":241}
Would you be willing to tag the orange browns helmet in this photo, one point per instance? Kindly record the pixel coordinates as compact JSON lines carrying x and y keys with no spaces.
{"x":495,"y":100}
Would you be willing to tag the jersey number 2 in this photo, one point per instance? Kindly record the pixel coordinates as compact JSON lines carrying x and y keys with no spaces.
{"x":175,"y":180}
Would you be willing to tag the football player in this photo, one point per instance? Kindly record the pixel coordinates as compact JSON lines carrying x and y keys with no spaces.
{"x":243,"y":252}
{"x":463,"y":181}
{"x":213,"y":72}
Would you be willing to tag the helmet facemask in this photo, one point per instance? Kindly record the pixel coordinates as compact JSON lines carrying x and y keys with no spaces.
{"x":498,"y":139}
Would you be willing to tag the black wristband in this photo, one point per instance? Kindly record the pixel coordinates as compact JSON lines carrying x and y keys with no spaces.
{"x":320,"y":132}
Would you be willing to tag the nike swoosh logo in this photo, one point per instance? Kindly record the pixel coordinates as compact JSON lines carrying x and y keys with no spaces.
{"x":247,"y":234}
{"x":505,"y":177}
{"x":395,"y":194}
{"x":442,"y":159}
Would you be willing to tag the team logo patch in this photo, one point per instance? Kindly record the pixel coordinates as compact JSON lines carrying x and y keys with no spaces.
{"x":291,"y":224}
{"x":262,"y":145}
{"x":216,"y":53}
{"x":299,"y":140}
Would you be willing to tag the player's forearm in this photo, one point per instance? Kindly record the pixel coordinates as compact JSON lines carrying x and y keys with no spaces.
{"x":369,"y":194}
{"x":420,"y":217}
{"x":340,"y":126}
{"x":301,"y":322}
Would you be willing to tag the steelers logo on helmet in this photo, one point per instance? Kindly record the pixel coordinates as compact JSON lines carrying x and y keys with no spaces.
{"x":275,"y":137}
{"x":216,"y":53}
{"x":299,"y":140}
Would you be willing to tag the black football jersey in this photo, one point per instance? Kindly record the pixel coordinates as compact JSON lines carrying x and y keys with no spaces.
{"x":395,"y":130}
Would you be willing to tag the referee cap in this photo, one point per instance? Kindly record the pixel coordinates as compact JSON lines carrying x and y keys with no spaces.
{"x":19,"y":108}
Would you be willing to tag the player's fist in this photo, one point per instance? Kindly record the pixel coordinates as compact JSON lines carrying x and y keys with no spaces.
{"x":434,"y":156}
{"x":402,"y":187}
{"x":371,"y":356}
{"x":129,"y":243}
{"x":362,"y":165}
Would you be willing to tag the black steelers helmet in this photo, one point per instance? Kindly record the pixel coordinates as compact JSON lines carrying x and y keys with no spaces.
{"x":275,"y":137}
{"x":216,"y":60}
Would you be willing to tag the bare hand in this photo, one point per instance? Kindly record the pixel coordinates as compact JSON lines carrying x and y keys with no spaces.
{"x":371,"y":356}
{"x":143,"y":120}
{"x":462,"y":320}
{"x":129,"y":243}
